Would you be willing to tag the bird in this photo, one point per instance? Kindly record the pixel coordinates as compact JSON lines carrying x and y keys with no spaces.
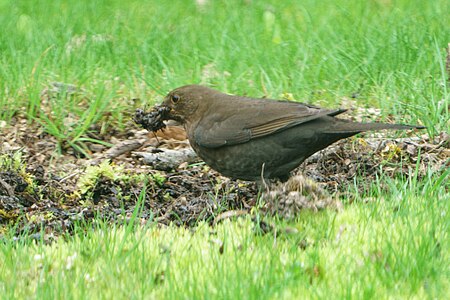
{"x":256,"y":138}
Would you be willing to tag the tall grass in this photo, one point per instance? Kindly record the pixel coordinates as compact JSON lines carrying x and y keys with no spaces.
{"x":389,"y":53}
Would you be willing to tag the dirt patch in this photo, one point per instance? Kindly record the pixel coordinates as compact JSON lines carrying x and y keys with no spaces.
{"x":41,"y":191}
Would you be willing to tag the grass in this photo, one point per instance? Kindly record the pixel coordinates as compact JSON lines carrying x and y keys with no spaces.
{"x":392,"y":247}
{"x":390,"y":54}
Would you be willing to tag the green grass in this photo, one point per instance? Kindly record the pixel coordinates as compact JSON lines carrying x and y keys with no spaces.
{"x":395,"y":246}
{"x":391,"y":53}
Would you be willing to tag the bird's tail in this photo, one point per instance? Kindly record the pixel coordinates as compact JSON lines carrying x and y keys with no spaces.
{"x":350,"y":127}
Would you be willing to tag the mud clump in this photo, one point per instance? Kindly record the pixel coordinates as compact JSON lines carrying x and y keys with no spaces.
{"x":153,"y":120}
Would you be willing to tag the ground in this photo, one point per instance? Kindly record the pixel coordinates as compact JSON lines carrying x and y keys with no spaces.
{"x":42,"y":189}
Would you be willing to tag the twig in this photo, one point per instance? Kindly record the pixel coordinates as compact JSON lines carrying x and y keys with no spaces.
{"x":7,"y":187}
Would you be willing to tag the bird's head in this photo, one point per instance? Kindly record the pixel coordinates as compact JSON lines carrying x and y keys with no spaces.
{"x":188,"y":102}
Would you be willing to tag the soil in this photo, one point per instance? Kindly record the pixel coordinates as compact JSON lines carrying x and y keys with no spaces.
{"x":47,"y":188}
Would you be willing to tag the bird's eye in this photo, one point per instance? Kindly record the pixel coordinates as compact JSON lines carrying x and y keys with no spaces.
{"x":175,"y":98}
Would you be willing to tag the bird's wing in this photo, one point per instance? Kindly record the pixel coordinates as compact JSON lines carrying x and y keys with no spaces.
{"x":256,"y":119}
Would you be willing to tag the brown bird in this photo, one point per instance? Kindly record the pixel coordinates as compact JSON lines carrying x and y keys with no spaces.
{"x":249,"y":138}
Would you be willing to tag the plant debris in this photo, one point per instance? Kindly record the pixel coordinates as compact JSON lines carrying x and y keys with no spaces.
{"x":298,"y":193}
{"x":44,"y":193}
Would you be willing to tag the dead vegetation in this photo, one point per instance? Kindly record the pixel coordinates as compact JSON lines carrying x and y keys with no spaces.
{"x":42,"y":191}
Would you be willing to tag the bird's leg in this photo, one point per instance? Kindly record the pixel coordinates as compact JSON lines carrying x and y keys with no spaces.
{"x":263,"y":181}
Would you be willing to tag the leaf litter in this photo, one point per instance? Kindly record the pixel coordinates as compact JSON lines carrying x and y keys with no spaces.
{"x":40,"y":192}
